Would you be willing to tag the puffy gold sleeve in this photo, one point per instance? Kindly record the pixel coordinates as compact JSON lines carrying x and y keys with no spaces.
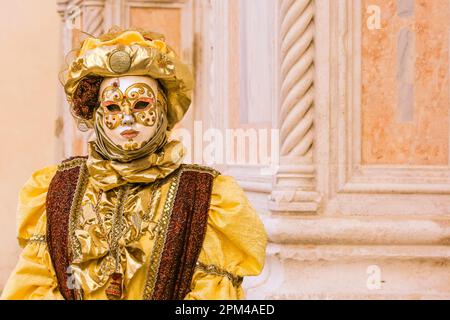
{"x":234,"y":245}
{"x":33,"y":276}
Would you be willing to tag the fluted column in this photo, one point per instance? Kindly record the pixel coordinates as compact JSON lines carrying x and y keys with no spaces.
{"x":295,"y":187}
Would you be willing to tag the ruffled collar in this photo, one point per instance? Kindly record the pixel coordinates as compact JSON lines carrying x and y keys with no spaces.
{"x":109,"y":174}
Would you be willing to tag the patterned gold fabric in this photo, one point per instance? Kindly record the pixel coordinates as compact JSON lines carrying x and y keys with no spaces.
{"x":234,"y":243}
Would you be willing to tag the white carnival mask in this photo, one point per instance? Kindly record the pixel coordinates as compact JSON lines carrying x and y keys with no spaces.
{"x":130,"y":111}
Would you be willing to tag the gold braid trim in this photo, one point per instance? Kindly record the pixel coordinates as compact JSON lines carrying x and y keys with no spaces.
{"x":68,"y":165}
{"x":74,"y":217}
{"x":161,"y":232}
{"x":36,"y":238}
{"x":74,"y":244}
{"x":215,"y":270}
{"x":163,"y":224}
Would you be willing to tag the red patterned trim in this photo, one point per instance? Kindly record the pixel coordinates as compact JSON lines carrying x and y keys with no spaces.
{"x":185,"y":234}
{"x":62,"y":200}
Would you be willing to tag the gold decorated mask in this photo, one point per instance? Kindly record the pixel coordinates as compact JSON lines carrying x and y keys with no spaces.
{"x":138,"y":100}
{"x":130,"y":109}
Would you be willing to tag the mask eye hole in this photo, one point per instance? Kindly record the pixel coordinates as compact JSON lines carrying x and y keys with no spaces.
{"x":113,"y":108}
{"x":141,"y":106}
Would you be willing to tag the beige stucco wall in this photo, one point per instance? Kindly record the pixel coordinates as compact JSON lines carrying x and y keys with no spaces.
{"x":29,"y":42}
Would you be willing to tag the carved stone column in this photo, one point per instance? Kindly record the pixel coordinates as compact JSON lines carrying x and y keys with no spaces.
{"x":295,"y":186}
{"x":294,"y":193}
{"x":93,"y":16}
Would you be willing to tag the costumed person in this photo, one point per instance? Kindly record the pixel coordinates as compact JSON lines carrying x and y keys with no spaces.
{"x":130,"y":221}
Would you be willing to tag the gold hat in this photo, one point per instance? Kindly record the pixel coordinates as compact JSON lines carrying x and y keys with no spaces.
{"x":130,"y":52}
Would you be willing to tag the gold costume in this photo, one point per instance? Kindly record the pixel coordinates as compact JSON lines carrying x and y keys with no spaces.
{"x":234,"y":244}
{"x":117,"y":226}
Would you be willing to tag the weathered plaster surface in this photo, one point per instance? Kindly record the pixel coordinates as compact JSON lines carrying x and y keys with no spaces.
{"x":405,"y":83}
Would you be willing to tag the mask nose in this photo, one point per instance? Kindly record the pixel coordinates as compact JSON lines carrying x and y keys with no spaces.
{"x":128,"y":120}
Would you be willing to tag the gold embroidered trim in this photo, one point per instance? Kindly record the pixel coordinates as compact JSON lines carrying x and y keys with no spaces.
{"x":68,"y":165}
{"x":37,"y":238}
{"x":74,"y":244}
{"x":215,"y":270}
{"x":161,"y":233}
{"x":198,"y":168}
